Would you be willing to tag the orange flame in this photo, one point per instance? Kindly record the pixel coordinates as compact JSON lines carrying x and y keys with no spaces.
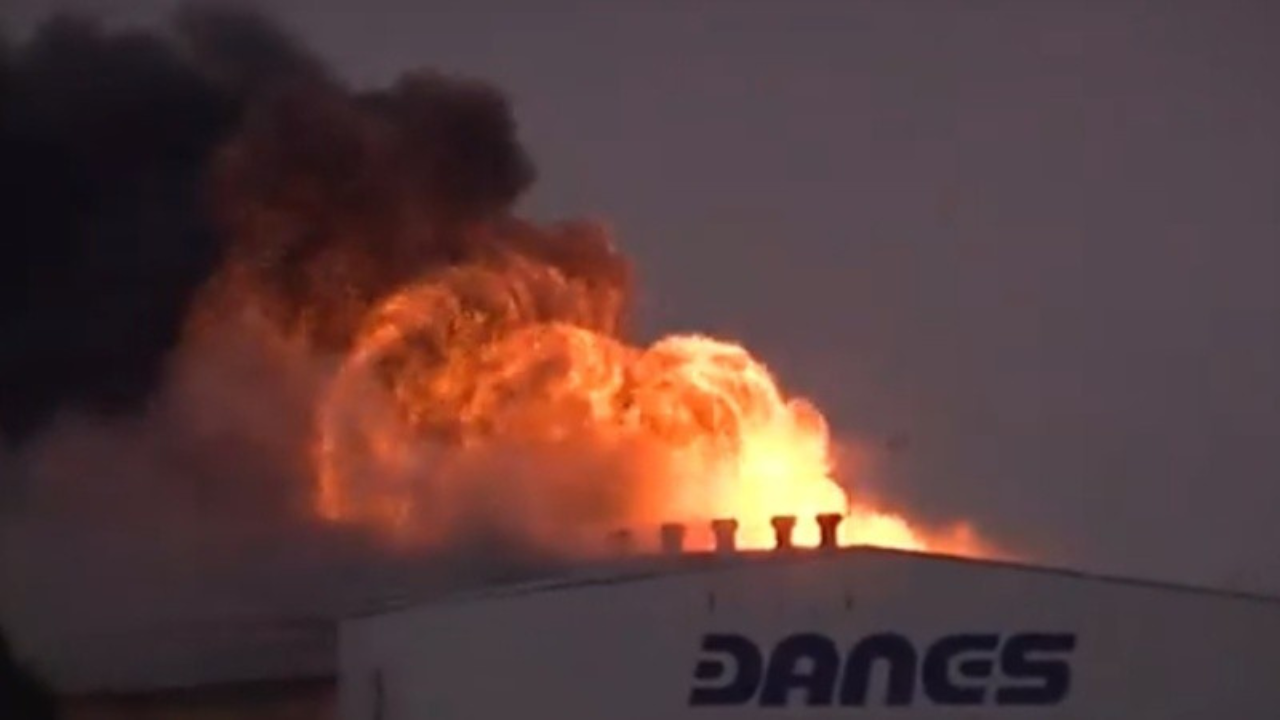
{"x":454,"y":387}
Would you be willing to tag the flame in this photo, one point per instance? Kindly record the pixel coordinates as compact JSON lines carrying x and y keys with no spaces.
{"x":500,"y":369}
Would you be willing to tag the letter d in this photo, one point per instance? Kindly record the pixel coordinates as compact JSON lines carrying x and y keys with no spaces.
{"x":719,"y":683}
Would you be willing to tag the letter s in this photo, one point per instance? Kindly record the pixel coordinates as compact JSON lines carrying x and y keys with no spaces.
{"x":1054,"y":675}
{"x":968,"y":654}
{"x":736,"y":689}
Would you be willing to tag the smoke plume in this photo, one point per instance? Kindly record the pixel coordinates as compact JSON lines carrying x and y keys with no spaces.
{"x":137,"y":164}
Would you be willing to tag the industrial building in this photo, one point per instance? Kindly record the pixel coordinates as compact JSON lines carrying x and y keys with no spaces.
{"x":787,"y":632}
{"x":825,"y":632}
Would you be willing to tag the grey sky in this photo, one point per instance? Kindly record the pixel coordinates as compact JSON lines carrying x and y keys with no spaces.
{"x":1040,"y":238}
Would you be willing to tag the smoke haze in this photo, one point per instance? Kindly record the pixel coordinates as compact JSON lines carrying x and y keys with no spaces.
{"x":196,"y":220}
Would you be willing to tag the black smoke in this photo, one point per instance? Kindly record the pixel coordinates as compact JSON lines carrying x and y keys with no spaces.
{"x":104,"y":140}
{"x":136,"y":166}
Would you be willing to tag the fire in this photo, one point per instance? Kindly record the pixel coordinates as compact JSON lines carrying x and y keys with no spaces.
{"x":502,"y":384}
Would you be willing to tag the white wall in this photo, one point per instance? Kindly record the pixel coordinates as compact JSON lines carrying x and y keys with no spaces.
{"x":627,"y":649}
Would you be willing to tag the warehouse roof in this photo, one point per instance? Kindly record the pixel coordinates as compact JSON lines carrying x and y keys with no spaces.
{"x":646,"y":567}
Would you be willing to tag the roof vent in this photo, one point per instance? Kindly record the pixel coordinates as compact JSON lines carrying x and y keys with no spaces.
{"x":782,"y":527}
{"x":828,"y":529}
{"x":672,"y":538}
{"x":622,"y":541}
{"x":725,"y":530}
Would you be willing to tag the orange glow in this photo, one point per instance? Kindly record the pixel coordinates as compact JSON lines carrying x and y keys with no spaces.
{"x":454,"y":391}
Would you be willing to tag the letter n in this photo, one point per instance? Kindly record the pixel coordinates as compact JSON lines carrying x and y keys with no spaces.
{"x":900,"y":685}
{"x":807,"y":662}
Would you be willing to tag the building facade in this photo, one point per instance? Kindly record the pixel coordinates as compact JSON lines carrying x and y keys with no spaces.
{"x":847,"y":633}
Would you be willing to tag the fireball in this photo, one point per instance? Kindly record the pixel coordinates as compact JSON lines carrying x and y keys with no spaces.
{"x":501,"y":387}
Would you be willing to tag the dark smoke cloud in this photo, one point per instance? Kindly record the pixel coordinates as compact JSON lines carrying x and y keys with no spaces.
{"x":136,"y":165}
{"x":334,"y":199}
{"x":104,"y":140}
